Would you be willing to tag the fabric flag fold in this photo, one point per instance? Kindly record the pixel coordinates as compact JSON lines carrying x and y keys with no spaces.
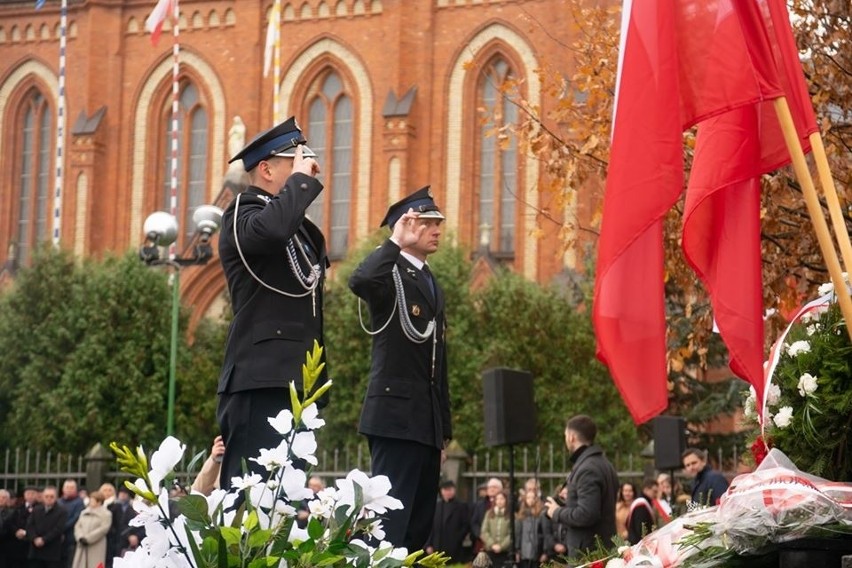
{"x":40,"y":4}
{"x":721,"y":226}
{"x":685,"y":62}
{"x":155,"y":21}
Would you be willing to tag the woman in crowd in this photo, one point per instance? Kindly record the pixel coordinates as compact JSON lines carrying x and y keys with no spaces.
{"x":495,"y":531}
{"x":91,"y":531}
{"x":529,"y":532}
{"x":626,"y":495}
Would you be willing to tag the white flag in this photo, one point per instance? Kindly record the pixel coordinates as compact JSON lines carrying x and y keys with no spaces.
{"x":272,"y":31}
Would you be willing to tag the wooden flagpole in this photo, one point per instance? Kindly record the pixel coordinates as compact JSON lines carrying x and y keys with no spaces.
{"x":826,"y":245}
{"x":827,"y":183}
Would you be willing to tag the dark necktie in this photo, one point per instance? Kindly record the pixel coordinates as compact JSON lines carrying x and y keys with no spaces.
{"x":429,"y":279}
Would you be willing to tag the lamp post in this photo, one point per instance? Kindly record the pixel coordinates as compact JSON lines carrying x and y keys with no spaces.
{"x":161,"y":230}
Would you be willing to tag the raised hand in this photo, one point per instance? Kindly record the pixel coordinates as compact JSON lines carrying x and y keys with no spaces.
{"x":304,"y":165}
{"x":408,"y":230}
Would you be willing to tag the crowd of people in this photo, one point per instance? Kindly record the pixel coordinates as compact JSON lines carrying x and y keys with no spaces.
{"x":592,"y":504}
{"x":46,"y":528}
{"x":76,"y":529}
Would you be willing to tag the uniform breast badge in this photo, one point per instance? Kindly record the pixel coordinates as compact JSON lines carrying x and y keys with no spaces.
{"x":415,"y":310}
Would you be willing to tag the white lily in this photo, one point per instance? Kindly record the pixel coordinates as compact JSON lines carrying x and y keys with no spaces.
{"x":164,"y":460}
{"x":375,"y":491}
{"x":304,"y":446}
{"x":310,"y":417}
{"x":283,"y":422}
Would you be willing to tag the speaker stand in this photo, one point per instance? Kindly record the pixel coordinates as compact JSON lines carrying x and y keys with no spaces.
{"x":512,"y":497}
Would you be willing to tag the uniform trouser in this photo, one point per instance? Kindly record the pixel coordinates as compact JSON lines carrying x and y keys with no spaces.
{"x":243,"y":421}
{"x":414,"y":471}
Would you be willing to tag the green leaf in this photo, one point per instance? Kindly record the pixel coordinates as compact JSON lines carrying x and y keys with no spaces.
{"x":259,"y":538}
{"x":326,"y":559}
{"x":193,"y":546}
{"x":294,"y":402}
{"x":196,"y":459}
{"x":194,"y":508}
{"x":315,"y":528}
{"x":251,"y":521}
{"x":231,"y":535}
{"x":307,"y":547}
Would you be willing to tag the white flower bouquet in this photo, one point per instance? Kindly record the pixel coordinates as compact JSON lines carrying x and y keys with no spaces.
{"x":774,"y":504}
{"x":253,"y":525}
{"x":807,"y":399}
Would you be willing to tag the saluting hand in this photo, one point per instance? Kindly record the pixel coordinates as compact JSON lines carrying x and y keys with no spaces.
{"x":408,"y":230}
{"x":304,"y":165}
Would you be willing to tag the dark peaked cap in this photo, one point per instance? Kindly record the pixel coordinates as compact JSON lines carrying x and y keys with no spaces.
{"x":280,"y":140}
{"x":420,"y":201}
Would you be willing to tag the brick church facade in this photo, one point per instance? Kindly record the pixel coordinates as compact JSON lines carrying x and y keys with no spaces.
{"x":389,"y":93}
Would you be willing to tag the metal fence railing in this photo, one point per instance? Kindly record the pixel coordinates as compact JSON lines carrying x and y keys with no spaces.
{"x":548,"y":463}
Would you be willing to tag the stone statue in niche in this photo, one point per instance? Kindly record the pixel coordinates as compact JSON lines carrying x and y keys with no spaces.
{"x":236,"y":136}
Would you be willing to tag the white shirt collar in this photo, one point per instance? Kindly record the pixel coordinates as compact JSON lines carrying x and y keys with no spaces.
{"x":413,"y":259}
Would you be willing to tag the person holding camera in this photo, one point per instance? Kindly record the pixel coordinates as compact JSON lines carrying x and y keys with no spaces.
{"x":274,"y":259}
{"x":589,"y":510}
{"x":90,"y":533}
{"x":208,"y":477}
{"x":555,"y":531}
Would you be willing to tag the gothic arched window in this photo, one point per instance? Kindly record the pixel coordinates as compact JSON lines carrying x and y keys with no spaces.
{"x":497,"y":179}
{"x":330,"y":134}
{"x":34,"y":163}
{"x":192,"y":154}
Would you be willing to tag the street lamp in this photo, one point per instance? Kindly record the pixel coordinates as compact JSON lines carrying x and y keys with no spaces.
{"x":161,"y":230}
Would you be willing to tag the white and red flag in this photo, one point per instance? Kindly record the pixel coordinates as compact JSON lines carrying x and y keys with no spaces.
{"x":154,"y":23}
{"x":273,"y":37}
{"x":684,"y":63}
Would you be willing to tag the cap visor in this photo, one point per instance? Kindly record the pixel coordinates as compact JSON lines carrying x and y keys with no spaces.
{"x":291,"y":152}
{"x":431,"y":215}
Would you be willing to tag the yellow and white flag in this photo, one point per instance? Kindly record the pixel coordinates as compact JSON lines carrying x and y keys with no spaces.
{"x":273,"y":36}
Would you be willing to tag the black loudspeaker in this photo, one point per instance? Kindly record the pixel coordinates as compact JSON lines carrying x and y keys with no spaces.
{"x":669,"y":442}
{"x":509,"y":407}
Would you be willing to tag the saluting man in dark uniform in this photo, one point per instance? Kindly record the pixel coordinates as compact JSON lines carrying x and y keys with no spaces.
{"x":275,"y":261}
{"x":406,"y":413}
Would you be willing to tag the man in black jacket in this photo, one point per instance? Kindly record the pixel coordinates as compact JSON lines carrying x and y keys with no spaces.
{"x":275,"y":260}
{"x":44,"y":531}
{"x":406,"y":413}
{"x":450,"y":525}
{"x":589,"y":510}
{"x":709,"y":484}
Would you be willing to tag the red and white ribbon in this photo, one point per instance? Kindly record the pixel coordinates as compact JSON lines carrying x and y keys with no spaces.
{"x":778,"y":347}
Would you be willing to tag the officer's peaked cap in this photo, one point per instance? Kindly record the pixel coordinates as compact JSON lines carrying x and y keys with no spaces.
{"x":280,"y":140}
{"x":420,"y":201}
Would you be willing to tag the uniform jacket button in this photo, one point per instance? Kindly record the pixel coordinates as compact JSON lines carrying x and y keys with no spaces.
{"x":387,"y":389}
{"x":278,"y":332}
{"x":304,"y":186}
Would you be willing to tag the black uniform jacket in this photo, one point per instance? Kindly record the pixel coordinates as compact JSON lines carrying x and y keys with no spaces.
{"x":270,"y":333}
{"x":405,"y":398}
{"x":48,"y":525}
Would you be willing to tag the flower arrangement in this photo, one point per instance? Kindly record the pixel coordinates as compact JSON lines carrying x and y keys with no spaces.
{"x":253,"y":525}
{"x":801,"y":454}
{"x":808,"y":406}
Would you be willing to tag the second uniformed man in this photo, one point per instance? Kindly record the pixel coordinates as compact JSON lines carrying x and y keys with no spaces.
{"x":406,"y":413}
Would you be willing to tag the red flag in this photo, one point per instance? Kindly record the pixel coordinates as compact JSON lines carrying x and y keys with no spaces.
{"x":681,"y":62}
{"x":721,"y":226}
{"x":154,"y":23}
